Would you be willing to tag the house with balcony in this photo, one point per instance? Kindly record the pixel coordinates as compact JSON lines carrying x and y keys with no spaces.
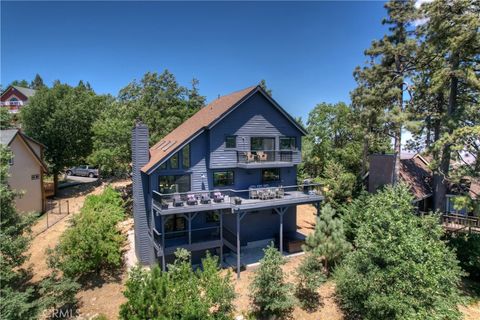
{"x":15,"y":97}
{"x":224,"y":181}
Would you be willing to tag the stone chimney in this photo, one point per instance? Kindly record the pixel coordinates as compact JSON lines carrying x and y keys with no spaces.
{"x":140,"y":157}
{"x":381,"y":171}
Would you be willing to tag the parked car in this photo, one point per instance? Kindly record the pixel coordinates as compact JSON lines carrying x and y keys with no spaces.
{"x":83,"y":170}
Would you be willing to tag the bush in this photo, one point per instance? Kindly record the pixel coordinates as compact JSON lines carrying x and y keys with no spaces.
{"x":93,"y":243}
{"x":328,"y":240}
{"x":270,"y":294}
{"x":401,"y":269}
{"x":467,"y":247}
{"x":179,"y":293}
{"x":310,"y":275}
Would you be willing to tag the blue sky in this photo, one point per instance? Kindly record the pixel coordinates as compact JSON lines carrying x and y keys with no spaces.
{"x":306,"y":51}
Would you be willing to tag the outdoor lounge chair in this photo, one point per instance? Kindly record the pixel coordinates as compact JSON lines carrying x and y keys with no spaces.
{"x":253,"y":193}
{"x":177,"y":200}
{"x":262,"y":156}
{"x":279,"y":192}
{"x":218,"y":196}
{"x":205,"y":199}
{"x":191,"y":200}
{"x":250,"y":157}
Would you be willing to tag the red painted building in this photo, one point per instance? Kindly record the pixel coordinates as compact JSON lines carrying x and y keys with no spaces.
{"x":15,"y":97}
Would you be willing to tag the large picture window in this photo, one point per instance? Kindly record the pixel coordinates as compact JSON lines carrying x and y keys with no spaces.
{"x":174,"y":183}
{"x":287,"y":143}
{"x":262,"y":143}
{"x":186,"y":157}
{"x":223,"y":178}
{"x":270,"y":175}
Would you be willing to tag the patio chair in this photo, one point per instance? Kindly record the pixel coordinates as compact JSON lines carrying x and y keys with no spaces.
{"x":177,"y":200}
{"x":263,"y":194}
{"x":205,"y":198}
{"x":250,"y":157}
{"x":271,"y":194}
{"x":253,"y":193}
{"x":280,"y":192}
{"x":191,"y":200}
{"x":262,"y":156}
{"x":218,"y":196}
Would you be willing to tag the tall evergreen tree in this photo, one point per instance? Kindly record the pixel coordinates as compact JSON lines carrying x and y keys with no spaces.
{"x":37,"y":82}
{"x":328,"y":240}
{"x":391,"y":64}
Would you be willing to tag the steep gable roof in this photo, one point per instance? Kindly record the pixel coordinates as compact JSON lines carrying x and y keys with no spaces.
{"x":26,"y":91}
{"x":206,"y":117}
{"x":416,"y":173}
{"x":7,"y":136}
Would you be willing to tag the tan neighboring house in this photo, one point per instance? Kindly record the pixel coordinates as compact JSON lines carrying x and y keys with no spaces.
{"x":26,"y":170}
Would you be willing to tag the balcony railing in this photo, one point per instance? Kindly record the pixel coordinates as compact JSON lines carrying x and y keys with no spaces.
{"x":11,"y":103}
{"x":228,"y":198}
{"x":266,"y":156}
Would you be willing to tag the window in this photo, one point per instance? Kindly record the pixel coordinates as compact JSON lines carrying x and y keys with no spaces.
{"x":174,"y":183}
{"x":35,"y":176}
{"x":213,"y":216}
{"x":223,"y":178}
{"x":186,"y":157}
{"x":262,"y":143}
{"x":287,"y":143}
{"x":271,"y":175}
{"x":175,"y":224}
{"x":10,"y":161}
{"x":231,"y":142}
{"x":174,"y":161}
{"x":163,"y":166}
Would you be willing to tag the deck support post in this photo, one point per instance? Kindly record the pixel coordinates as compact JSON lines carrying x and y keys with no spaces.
{"x":163,"y":242}
{"x":189,"y":218}
{"x":280,"y":212}
{"x":317,"y":206}
{"x":238,"y":245}
{"x":221,"y":237}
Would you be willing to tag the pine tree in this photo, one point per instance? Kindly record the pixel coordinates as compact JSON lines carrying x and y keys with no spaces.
{"x":328,"y":240}
{"x":310,"y":275}
{"x":270,"y":294}
{"x":37,"y":82}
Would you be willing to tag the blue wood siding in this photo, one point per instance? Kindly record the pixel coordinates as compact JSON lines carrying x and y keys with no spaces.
{"x":256,"y":117}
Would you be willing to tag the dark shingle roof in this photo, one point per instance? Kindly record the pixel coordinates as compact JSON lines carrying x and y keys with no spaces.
{"x":26,"y":91}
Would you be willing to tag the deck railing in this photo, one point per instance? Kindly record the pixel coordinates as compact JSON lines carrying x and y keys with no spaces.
{"x":457,"y":221}
{"x":254,"y":194}
{"x":266,"y":156}
{"x":11,"y":103}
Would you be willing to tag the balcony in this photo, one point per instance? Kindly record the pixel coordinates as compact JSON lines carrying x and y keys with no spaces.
{"x":267,"y":158}
{"x":254,"y":198}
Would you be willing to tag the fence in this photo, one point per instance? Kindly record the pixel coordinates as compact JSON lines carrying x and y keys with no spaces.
{"x":56,"y":210}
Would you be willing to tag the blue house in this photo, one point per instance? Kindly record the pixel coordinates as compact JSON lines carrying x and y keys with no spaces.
{"x":224,"y":181}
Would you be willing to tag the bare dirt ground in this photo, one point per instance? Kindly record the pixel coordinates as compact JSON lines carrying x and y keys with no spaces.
{"x":103,"y":294}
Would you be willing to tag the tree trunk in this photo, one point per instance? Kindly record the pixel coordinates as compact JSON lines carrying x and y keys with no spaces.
{"x":440,"y":189}
{"x":397,"y":151}
{"x":365,"y":152}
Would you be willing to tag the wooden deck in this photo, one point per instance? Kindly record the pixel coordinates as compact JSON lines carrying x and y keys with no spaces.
{"x":460,"y":223}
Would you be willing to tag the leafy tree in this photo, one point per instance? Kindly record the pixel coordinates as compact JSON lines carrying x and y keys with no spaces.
{"x":20,"y":299}
{"x":37,"y":82}
{"x":5,"y":119}
{"x":339,"y":184}
{"x":467,"y":247}
{"x":61,"y":117}
{"x":93,"y":243}
{"x":21,"y":83}
{"x":271,"y":296}
{"x":328,"y":240}
{"x":401,"y":269}
{"x":158,"y":100}
{"x":179,"y":293}
{"x":14,"y":241}
{"x":310,"y":275}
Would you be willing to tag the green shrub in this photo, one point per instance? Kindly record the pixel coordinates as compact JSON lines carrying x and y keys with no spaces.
{"x":271,"y":296}
{"x":401,"y":269}
{"x":93,"y":243}
{"x":310,"y":275}
{"x":179,"y":293}
{"x":467,"y":247}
